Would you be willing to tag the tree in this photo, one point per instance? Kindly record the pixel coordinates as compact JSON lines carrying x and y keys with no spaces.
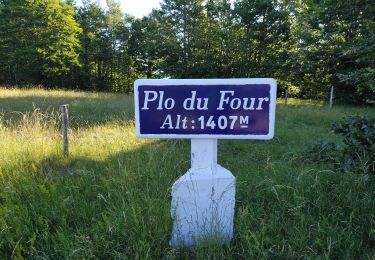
{"x":217,"y":53}
{"x":265,"y":37}
{"x":186,"y":19}
{"x":107,"y":65}
{"x":38,"y":41}
{"x":336,"y":40}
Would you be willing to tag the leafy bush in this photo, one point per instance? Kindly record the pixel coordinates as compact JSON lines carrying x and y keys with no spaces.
{"x":356,"y":153}
{"x":359,"y":139}
{"x":323,"y":151}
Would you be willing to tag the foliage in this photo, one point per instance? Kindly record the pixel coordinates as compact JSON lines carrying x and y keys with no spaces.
{"x":106,"y":62}
{"x":335,"y":40}
{"x":324,"y":151}
{"x":306,"y":45}
{"x":359,"y":139}
{"x":356,"y":153}
{"x":38,"y":41}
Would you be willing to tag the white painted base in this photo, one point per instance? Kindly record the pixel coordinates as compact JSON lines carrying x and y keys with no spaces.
{"x":202,"y":208}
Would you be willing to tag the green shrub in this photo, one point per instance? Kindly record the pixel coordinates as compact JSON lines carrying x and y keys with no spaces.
{"x":356,"y":153}
{"x":324,"y":151}
{"x":359,"y":139}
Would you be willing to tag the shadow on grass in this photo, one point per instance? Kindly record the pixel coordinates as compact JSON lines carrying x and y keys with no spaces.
{"x":118,"y":206}
{"x":74,"y":207}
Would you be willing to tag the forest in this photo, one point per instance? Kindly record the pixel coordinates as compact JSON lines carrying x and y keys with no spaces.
{"x":306,"y":45}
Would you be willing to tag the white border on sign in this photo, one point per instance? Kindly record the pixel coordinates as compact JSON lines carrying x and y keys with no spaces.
{"x":243,"y":81}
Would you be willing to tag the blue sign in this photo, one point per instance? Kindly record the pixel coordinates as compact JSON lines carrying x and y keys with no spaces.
{"x":216,"y":108}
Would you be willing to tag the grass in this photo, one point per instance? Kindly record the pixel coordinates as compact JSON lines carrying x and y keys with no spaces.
{"x":111,"y":197}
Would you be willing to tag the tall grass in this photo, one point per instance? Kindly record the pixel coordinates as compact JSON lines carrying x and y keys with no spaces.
{"x":111,"y":197}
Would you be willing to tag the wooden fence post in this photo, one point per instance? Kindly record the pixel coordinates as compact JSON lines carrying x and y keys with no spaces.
{"x":65,"y":125}
{"x":286,"y":97}
{"x":331,"y":99}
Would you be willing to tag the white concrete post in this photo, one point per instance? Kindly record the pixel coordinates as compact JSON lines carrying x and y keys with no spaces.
{"x":203,"y":199}
{"x":203,"y":154}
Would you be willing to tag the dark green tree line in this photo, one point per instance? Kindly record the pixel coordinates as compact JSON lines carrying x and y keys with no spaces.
{"x":307,"y":45}
{"x":335,"y":40}
{"x":38,"y":42}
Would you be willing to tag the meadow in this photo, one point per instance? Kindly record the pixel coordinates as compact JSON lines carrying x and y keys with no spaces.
{"x":110,"y":198}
